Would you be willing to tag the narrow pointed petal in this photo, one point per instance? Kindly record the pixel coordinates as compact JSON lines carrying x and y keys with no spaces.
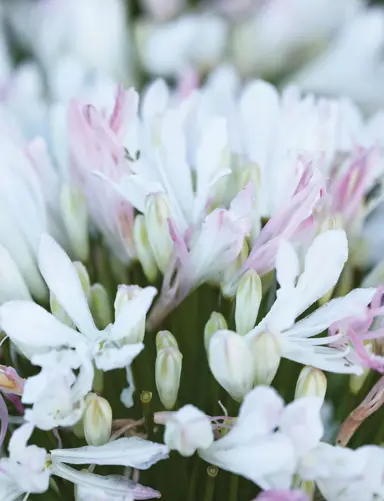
{"x":63,"y":281}
{"x":133,"y":451}
{"x":324,"y":262}
{"x":28,"y":323}
{"x":110,"y":485}
{"x":353,"y":304}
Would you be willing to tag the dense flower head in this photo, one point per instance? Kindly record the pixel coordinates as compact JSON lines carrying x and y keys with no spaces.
{"x":191,"y":256}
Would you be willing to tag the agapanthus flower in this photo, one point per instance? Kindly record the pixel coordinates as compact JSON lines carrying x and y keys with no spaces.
{"x":109,"y":349}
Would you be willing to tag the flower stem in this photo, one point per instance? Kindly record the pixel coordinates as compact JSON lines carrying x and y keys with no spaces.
{"x":233,"y":487}
{"x":210,"y":483}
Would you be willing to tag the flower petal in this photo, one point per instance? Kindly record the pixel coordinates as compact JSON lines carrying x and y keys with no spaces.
{"x":63,"y":281}
{"x":324,"y":262}
{"x":114,"y":357}
{"x":103,"y":487}
{"x":133,"y":451}
{"x":132,"y":313}
{"x":28,"y":323}
{"x":287,"y":264}
{"x":353,"y":304}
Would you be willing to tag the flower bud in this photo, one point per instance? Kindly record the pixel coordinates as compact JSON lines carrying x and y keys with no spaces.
{"x":164,"y":339}
{"x":231,"y":363}
{"x":124,"y":294}
{"x":186,"y":430}
{"x":143,"y":249}
{"x":75,"y":217}
{"x":248,"y":298}
{"x":84,"y":277}
{"x":97,"y":420}
{"x":266,"y":353}
{"x":228,"y":284}
{"x":12,"y":283}
{"x":167,"y":375}
{"x":157,"y":213}
{"x":312,"y":382}
{"x":215,"y":323}
{"x":100,"y":306}
{"x":247,"y":174}
{"x":356,"y":381}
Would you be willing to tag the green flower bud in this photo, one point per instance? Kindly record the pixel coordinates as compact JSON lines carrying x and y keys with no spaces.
{"x":97,"y":420}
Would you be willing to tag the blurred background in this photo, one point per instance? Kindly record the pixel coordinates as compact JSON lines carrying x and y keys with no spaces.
{"x":52,"y":50}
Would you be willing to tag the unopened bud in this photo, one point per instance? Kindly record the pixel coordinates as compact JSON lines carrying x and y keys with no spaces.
{"x":248,"y":299}
{"x":165,"y":339}
{"x":356,"y":381}
{"x":312,"y":382}
{"x":58,"y":311}
{"x":229,"y":283}
{"x":84,"y":277}
{"x":157,"y":213}
{"x":100,"y":306}
{"x":231,"y":363}
{"x":266,"y":353}
{"x":97,"y":420}
{"x":143,"y":249}
{"x":12,"y":284}
{"x":167,"y":375}
{"x":249,"y":174}
{"x":126,"y":293}
{"x":186,"y":430}
{"x":215,"y":323}
{"x":75,"y":217}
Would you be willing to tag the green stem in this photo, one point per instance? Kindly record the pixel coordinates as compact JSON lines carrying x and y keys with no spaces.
{"x":233,"y":487}
{"x":210,"y":485}
{"x":193,"y":482}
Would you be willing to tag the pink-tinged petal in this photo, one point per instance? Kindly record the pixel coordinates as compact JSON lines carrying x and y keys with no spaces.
{"x":64,"y":282}
{"x":282,"y":495}
{"x":353,"y":304}
{"x":132,"y":313}
{"x":188,"y":83}
{"x":133,"y":451}
{"x":29,"y":324}
{"x":124,"y":111}
{"x":323,"y":265}
{"x":104,"y":487}
{"x":285,"y":224}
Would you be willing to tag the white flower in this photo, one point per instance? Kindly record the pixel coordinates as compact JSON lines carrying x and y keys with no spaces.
{"x":351,"y":66}
{"x":196,"y":39}
{"x":36,"y":330}
{"x":57,"y":395}
{"x":24,"y":471}
{"x":49,"y":40}
{"x":323,"y":264}
{"x":186,"y":430}
{"x":346,"y":475}
{"x":267,"y":441}
{"x":26,"y":177}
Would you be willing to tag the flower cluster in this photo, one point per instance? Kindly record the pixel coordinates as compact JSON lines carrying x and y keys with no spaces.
{"x":178,"y":260}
